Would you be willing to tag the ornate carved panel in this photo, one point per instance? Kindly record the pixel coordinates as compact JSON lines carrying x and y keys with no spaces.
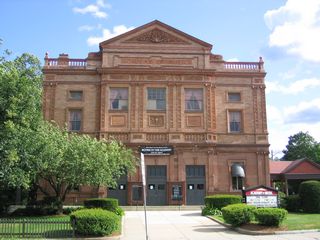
{"x":193,"y":121}
{"x":157,"y":137}
{"x":140,"y":106}
{"x":171,"y":106}
{"x":213,"y":108}
{"x":156,"y":121}
{"x":133,"y":106}
{"x":156,"y":36}
{"x":178,"y":106}
{"x":103,"y":107}
{"x":208,"y":104}
{"x":117,"y":121}
{"x":255,"y":107}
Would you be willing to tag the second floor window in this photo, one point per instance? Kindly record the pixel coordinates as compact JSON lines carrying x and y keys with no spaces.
{"x":156,"y":99}
{"x":75,"y":95}
{"x":75,"y":119}
{"x":193,"y":99}
{"x":234,"y":97}
{"x":235,"y":121}
{"x":118,"y":98}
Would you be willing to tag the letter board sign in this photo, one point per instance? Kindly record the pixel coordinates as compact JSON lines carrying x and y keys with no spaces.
{"x":157,"y":150}
{"x":261,"y":196}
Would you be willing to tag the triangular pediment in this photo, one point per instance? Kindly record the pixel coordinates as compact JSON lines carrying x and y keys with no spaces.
{"x":157,"y":36}
{"x":156,"y":33}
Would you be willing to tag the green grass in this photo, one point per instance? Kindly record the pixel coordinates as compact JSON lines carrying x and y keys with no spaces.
{"x":39,"y":226}
{"x":299,"y":221}
{"x":295,"y":221}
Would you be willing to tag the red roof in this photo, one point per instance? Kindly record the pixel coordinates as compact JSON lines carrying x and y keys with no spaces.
{"x":297,"y":166}
{"x":277,"y":167}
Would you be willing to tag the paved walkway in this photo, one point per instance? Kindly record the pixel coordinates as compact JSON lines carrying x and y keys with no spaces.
{"x":190,"y":225}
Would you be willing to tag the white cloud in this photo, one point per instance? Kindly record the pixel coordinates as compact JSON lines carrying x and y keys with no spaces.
{"x":93,"y":9}
{"x":294,"y":88}
{"x":107,"y":34}
{"x":287,"y":121}
{"x":296,"y":28}
{"x":85,"y":28}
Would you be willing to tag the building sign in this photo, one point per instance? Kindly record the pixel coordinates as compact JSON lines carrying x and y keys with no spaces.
{"x":261,"y":196}
{"x":155,"y":150}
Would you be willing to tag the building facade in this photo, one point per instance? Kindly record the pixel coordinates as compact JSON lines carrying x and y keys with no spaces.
{"x":200,"y":120}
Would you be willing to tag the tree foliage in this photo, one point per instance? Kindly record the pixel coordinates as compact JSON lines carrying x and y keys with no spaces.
{"x":66,"y":160}
{"x":302,"y":145}
{"x":20,"y":113}
{"x":33,"y":150}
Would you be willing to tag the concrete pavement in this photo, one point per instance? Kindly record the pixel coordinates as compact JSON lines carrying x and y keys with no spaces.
{"x":190,"y":225}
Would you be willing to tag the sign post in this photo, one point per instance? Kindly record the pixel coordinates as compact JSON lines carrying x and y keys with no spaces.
{"x":143,"y":174}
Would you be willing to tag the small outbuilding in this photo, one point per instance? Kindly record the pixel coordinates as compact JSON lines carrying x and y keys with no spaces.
{"x":292,"y":173}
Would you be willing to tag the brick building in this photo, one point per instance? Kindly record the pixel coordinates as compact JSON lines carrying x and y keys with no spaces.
{"x":155,"y":88}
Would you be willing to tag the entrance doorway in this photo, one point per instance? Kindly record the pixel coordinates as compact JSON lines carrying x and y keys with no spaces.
{"x":156,"y":185}
{"x":119,"y":192}
{"x":195,"y":183}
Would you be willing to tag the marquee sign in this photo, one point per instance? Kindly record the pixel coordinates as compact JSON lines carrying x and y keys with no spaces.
{"x":157,"y":150}
{"x":261,"y":196}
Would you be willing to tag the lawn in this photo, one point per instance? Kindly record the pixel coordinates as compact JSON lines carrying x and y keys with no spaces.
{"x":47,"y":226}
{"x":295,"y":221}
{"x":298,"y":221}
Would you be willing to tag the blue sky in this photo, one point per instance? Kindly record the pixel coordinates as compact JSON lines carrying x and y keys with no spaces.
{"x":286,"y":33}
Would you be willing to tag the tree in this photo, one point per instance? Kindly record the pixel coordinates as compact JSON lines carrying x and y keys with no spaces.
{"x":20,"y":113}
{"x":65,"y":160}
{"x":302,"y":145}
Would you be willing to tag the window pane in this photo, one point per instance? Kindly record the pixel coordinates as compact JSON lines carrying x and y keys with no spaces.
{"x":235,"y":121}
{"x":234,"y":97}
{"x":156,"y":98}
{"x":75,"y":95}
{"x":193,"y":99}
{"x":118,"y":98}
{"x":75,"y":120}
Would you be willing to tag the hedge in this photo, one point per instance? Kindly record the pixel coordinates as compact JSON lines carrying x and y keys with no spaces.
{"x":238,"y":214}
{"x":221,"y":200}
{"x":270,"y":216}
{"x":110,"y":204}
{"x":309,"y":192}
{"x":95,"y":222}
{"x":293,"y":203}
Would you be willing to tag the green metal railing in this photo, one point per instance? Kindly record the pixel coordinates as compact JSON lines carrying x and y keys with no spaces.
{"x":36,"y":228}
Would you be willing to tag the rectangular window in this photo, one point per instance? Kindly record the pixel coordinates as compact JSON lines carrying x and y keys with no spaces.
{"x":118,"y":98}
{"x":156,"y":99}
{"x":237,"y":183}
{"x":75,"y":117}
{"x":234,"y":121}
{"x":234,"y":97}
{"x":193,"y":99}
{"x":75,"y":95}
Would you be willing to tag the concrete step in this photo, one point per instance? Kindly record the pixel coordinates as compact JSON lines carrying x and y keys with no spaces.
{"x":163,"y":208}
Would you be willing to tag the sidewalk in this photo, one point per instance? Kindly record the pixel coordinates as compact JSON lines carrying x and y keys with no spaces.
{"x":189,"y":225}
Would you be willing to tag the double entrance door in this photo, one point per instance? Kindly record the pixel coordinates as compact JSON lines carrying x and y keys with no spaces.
{"x":195,"y":183}
{"x":120,"y":191}
{"x":156,"y":185}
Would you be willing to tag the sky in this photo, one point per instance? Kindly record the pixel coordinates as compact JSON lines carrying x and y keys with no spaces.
{"x":286,"y":33}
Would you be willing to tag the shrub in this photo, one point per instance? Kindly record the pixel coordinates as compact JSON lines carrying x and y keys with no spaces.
{"x":34,"y":211}
{"x":95,"y":222}
{"x":210,"y":211}
{"x":309,"y":192}
{"x":293,"y":203}
{"x":110,"y":204}
{"x":282,"y":199}
{"x":219,"y":201}
{"x":238,"y":214}
{"x":270,"y":216}
{"x":119,"y":211}
{"x":68,"y":210}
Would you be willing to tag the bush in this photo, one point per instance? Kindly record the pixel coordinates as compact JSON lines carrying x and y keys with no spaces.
{"x":210,"y":211}
{"x":219,"y":201}
{"x":34,"y":211}
{"x":95,"y":222}
{"x":110,"y":204}
{"x":119,"y":211}
{"x":270,"y":216}
{"x":282,"y":199}
{"x":293,"y":203}
{"x":238,"y":214}
{"x":309,"y":192}
{"x":68,"y":210}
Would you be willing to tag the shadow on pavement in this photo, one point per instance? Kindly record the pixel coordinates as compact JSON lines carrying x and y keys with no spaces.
{"x":209,"y":228}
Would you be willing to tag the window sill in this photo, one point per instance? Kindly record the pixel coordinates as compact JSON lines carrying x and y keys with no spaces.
{"x":156,"y":111}
{"x":193,"y":111}
{"x":118,"y":110}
